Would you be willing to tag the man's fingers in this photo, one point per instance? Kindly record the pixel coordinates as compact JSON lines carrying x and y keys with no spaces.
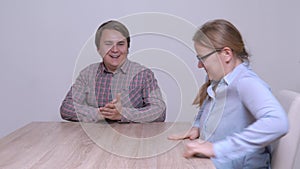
{"x":106,"y":113}
{"x":117,"y":99}
{"x":110,"y":106}
{"x":106,"y":110}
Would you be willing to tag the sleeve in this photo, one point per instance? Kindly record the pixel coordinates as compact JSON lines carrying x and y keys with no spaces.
{"x":271,"y":122}
{"x":154,"y":107}
{"x":74,"y":107}
{"x":198,"y":116}
{"x":201,"y":109}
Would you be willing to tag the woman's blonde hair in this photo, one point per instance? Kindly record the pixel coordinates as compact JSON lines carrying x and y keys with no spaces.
{"x":218,"y":34}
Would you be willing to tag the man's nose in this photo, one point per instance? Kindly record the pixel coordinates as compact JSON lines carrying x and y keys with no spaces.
{"x":114,"y":48}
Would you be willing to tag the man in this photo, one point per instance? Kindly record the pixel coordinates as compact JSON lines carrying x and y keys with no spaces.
{"x":116,"y":89}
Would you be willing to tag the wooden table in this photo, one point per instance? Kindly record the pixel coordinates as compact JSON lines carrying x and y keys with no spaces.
{"x":60,"y":145}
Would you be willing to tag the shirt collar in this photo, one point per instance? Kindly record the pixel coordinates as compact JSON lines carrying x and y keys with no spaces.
{"x":124,"y":68}
{"x":226,"y":80}
{"x":236,"y":71}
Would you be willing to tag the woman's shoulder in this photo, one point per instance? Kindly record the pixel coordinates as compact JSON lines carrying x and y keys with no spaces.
{"x":251,"y":80}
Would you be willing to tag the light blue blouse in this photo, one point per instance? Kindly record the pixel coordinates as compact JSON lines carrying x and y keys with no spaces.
{"x":251,"y":117}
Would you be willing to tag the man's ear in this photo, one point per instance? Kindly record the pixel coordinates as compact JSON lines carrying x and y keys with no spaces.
{"x":98,"y":51}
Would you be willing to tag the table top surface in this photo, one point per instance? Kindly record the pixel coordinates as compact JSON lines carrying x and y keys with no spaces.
{"x":97,"y":145}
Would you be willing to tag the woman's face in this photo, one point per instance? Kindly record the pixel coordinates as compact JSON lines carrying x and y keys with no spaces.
{"x":212,"y":64}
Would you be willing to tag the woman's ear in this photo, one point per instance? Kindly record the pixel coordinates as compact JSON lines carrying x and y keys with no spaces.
{"x":228,"y":54}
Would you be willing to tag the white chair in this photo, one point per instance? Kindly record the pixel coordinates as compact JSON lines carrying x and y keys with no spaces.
{"x":286,"y":154}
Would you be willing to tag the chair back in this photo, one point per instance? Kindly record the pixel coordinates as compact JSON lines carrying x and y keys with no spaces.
{"x":286,"y":154}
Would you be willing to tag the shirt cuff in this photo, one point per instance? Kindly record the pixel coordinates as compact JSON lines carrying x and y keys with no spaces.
{"x":196,"y":124}
{"x":224,"y":151}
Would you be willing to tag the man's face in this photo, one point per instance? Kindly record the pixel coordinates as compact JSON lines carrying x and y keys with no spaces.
{"x":113,"y":49}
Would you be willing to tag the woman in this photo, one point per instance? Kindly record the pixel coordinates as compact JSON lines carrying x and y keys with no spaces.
{"x":239,"y":116}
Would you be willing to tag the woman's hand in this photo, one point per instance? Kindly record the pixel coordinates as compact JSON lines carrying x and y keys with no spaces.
{"x":191,"y":134}
{"x":199,"y":148}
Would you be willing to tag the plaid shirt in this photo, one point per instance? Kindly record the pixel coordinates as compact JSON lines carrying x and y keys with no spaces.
{"x":94,"y":87}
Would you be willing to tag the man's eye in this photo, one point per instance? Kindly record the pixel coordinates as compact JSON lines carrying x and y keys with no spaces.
{"x":108,"y":43}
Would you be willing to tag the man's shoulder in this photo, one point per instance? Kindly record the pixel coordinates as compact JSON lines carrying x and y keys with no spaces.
{"x":93,"y":65}
{"x":91,"y":68}
{"x":138,"y":66}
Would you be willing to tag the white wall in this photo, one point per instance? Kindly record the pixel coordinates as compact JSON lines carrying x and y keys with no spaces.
{"x":41,"y":40}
